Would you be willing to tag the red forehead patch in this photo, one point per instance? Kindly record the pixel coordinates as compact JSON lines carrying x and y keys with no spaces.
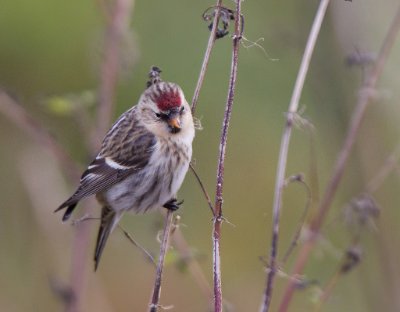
{"x":168,"y":99}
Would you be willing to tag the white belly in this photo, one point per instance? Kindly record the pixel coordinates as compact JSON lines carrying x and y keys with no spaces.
{"x":153,"y":186}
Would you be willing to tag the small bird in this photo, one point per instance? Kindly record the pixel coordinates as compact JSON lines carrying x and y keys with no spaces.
{"x":143,"y":159}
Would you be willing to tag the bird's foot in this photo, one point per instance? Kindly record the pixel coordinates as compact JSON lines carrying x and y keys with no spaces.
{"x":173,"y":204}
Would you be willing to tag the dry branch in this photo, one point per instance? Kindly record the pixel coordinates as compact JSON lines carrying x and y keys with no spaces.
{"x":154,"y":305}
{"x":218,"y":217}
{"x":364,"y":97}
{"x":284,"y":149}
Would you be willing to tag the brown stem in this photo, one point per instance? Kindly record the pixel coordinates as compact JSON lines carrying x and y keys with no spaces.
{"x":218,"y":218}
{"x":210,"y":45}
{"x":179,"y":241}
{"x":364,"y":98}
{"x":145,"y":253}
{"x":154,"y":305}
{"x":283,"y":153}
{"x":203,"y":189}
{"x":302,"y":220}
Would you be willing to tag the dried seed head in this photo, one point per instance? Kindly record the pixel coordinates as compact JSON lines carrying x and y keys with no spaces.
{"x":352,"y":259}
{"x":361,"y":210}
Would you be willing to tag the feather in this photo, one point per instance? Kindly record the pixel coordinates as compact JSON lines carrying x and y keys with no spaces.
{"x":109,"y":220}
{"x":126,"y":149}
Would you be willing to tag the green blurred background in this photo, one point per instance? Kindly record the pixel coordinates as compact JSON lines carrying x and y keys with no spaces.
{"x":53,"y":48}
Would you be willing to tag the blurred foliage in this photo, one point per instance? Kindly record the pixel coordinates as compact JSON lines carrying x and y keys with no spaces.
{"x":49,"y":60}
{"x":66,"y":105}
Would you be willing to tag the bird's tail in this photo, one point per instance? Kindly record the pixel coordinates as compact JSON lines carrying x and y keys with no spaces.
{"x":109,"y":220}
{"x":70,"y":204}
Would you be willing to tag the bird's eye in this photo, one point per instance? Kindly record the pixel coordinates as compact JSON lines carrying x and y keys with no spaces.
{"x":161,"y":116}
{"x":182,"y":110}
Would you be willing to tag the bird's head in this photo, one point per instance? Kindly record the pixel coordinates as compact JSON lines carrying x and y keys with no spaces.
{"x":165,"y":111}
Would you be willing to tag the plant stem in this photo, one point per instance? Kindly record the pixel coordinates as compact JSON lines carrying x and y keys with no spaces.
{"x":364,"y":98}
{"x":205,"y":193}
{"x":210,"y":45}
{"x":283,"y":153}
{"x":163,"y":250}
{"x":218,"y":218}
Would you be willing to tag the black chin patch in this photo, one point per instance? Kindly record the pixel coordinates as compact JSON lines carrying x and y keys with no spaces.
{"x":174,"y":130}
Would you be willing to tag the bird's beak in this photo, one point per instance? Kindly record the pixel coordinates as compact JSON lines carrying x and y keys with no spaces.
{"x":174,"y":124}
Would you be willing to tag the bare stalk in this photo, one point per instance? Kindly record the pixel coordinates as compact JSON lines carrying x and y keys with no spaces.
{"x":154,"y":305}
{"x":218,"y":217}
{"x":116,"y":29}
{"x":179,"y":239}
{"x":364,"y":97}
{"x":210,"y":45}
{"x":145,"y":253}
{"x":283,"y":153}
{"x":207,"y":197}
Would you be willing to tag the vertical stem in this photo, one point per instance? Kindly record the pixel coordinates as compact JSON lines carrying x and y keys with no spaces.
{"x":218,"y":218}
{"x":364,"y":98}
{"x":210,"y":45}
{"x":283,"y":153}
{"x":163,"y":251}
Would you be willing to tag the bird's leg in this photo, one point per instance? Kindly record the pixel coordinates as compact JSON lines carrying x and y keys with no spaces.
{"x":173,"y":204}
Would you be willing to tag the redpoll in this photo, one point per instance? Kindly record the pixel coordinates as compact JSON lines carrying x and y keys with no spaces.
{"x":143,"y":159}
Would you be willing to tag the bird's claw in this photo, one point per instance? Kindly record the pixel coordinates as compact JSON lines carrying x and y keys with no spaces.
{"x":173,"y":204}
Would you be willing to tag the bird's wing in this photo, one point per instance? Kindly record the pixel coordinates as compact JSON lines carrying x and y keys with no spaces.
{"x":127,"y":148}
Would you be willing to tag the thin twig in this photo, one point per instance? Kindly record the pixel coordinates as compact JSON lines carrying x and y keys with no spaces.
{"x":302,"y":220}
{"x":210,"y":45}
{"x":117,"y":28}
{"x":126,"y":233}
{"x":203,"y":189}
{"x":351,"y":259}
{"x":365,"y":95}
{"x":221,"y":163}
{"x":179,"y":241}
{"x":136,"y":244}
{"x":283,"y":153}
{"x":154,"y":305}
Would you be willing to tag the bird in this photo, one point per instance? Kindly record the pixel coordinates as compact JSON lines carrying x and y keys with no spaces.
{"x":142,"y":161}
